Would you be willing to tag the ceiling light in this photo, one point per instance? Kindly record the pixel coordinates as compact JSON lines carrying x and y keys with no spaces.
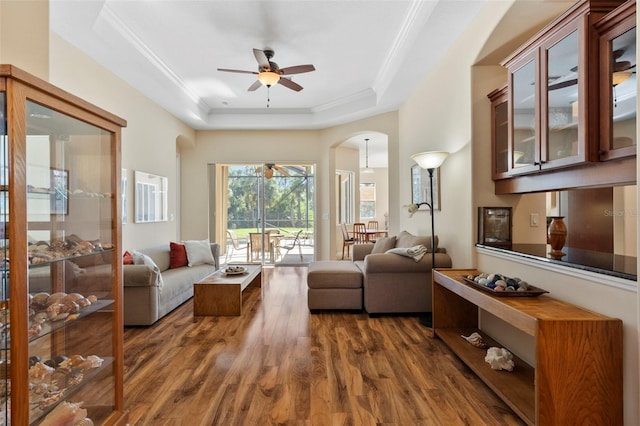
{"x":268,"y":78}
{"x":366,"y":156}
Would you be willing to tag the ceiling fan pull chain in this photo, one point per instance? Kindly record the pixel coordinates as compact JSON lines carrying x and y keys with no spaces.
{"x":268,"y":95}
{"x":615,"y":98}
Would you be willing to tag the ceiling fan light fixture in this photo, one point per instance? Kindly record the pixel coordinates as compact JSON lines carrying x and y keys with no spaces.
{"x":620,"y":77}
{"x":268,"y":78}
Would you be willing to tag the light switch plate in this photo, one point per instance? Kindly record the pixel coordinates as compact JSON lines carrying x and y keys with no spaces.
{"x":534,"y":219}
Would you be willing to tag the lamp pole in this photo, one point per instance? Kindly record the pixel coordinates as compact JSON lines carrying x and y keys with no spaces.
{"x":430,"y":161}
{"x":427,"y":318}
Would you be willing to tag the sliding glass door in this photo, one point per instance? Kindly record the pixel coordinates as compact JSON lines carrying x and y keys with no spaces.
{"x":264,"y":213}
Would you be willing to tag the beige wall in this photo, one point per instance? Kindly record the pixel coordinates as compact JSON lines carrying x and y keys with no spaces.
{"x":24,"y":35}
{"x":148,"y":141}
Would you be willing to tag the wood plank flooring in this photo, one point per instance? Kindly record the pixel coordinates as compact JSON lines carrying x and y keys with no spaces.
{"x":278,"y":365}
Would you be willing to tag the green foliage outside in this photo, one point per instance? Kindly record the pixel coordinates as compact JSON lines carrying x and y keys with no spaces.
{"x":289,"y":200}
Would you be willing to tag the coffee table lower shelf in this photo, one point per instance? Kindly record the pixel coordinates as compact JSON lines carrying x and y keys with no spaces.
{"x":516,"y":388}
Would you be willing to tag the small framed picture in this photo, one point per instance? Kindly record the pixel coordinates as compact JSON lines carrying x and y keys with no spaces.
{"x":420,"y":189}
{"x":59,"y":191}
{"x":494,"y":226}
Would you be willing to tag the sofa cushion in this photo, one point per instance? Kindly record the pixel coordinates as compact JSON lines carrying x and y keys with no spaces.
{"x":177,"y":255}
{"x":199,"y":252}
{"x":406,"y":240}
{"x":333,"y":274}
{"x":384,"y":244}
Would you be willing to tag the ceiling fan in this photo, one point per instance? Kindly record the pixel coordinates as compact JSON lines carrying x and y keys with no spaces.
{"x":620,"y":72}
{"x":269,"y":73}
{"x":270,"y":168}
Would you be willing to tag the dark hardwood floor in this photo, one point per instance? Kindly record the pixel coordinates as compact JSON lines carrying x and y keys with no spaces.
{"x":277,"y":364}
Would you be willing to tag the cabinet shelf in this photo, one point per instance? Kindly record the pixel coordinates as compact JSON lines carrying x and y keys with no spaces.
{"x":70,"y":258}
{"x":36,"y":413}
{"x":51,"y":326}
{"x":516,"y":388}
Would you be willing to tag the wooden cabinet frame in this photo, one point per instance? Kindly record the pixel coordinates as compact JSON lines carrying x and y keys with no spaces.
{"x":578,"y":374}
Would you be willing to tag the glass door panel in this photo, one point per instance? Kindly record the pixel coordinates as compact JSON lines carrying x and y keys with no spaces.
{"x":69,"y":201}
{"x":624,"y":90}
{"x":524,"y":118}
{"x":268,"y":212}
{"x":563,"y":100}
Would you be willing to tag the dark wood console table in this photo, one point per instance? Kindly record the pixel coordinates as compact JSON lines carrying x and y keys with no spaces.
{"x":578,"y":373}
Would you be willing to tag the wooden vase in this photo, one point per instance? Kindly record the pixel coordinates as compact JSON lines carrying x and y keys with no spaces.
{"x":557,"y":235}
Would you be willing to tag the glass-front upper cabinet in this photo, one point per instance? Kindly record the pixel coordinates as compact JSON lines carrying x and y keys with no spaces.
{"x":554,"y":105}
{"x":618,"y":85}
{"x":60,"y":163}
{"x":525,"y":125}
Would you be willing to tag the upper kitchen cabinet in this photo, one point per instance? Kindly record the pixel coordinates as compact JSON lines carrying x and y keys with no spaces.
{"x":499,"y":133}
{"x":618,"y":86}
{"x":553,"y":92}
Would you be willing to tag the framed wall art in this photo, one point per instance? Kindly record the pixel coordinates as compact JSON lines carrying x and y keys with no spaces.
{"x":59,"y":191}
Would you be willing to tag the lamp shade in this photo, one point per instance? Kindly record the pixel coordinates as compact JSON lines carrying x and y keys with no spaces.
{"x":268,"y":78}
{"x":430,"y":160}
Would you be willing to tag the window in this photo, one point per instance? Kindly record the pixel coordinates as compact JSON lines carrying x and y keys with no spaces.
{"x":367,"y":201}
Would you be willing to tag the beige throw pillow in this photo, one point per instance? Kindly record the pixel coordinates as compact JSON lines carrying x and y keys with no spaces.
{"x":384,"y":244}
{"x":406,"y":239}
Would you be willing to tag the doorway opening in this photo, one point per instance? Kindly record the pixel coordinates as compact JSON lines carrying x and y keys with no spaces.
{"x":263,"y":212}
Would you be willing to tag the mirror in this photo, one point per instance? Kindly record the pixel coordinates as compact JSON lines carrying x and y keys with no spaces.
{"x":151,"y":197}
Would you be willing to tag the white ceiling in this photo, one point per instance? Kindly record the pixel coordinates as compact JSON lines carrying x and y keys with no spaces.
{"x":369,"y":55}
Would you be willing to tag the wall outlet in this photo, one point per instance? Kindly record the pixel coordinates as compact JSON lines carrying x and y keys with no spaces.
{"x":534,"y":219}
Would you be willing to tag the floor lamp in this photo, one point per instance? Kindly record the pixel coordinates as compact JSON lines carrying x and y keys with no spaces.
{"x":429,"y":160}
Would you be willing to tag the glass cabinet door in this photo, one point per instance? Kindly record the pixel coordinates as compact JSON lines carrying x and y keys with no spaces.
{"x":524,"y":118}
{"x":563,"y":141}
{"x":618,"y":86}
{"x":499,"y":133}
{"x":71,"y":265}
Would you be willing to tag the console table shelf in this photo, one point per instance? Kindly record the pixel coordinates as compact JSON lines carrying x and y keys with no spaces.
{"x":578,"y":373}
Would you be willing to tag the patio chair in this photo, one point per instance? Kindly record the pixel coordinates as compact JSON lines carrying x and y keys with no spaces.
{"x":289,"y":243}
{"x":235,"y":245}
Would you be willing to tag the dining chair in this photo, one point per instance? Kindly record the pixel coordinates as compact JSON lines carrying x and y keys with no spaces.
{"x":359,"y":233}
{"x":347,"y":241}
{"x":372,"y":225}
{"x":256,"y":240}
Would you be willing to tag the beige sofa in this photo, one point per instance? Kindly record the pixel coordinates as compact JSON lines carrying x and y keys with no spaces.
{"x":394,"y":283}
{"x":147,"y":297}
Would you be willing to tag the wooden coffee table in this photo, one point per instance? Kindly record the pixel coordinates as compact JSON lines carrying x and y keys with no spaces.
{"x":221,"y":294}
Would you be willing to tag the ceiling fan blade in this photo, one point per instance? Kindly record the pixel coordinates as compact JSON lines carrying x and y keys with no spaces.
{"x":297,"y":69}
{"x":262,"y":59}
{"x":622,"y":66}
{"x":563,"y":84}
{"x":282,"y":170}
{"x":238,"y":71}
{"x":255,"y":86}
{"x":290,"y":84}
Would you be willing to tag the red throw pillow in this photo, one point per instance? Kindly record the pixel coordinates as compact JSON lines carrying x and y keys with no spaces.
{"x":177,"y":255}
{"x":127,"y":258}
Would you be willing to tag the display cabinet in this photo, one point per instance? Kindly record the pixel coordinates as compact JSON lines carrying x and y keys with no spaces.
{"x":553,"y":94}
{"x":61,"y":307}
{"x":499,"y":133}
{"x":618,"y":86}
